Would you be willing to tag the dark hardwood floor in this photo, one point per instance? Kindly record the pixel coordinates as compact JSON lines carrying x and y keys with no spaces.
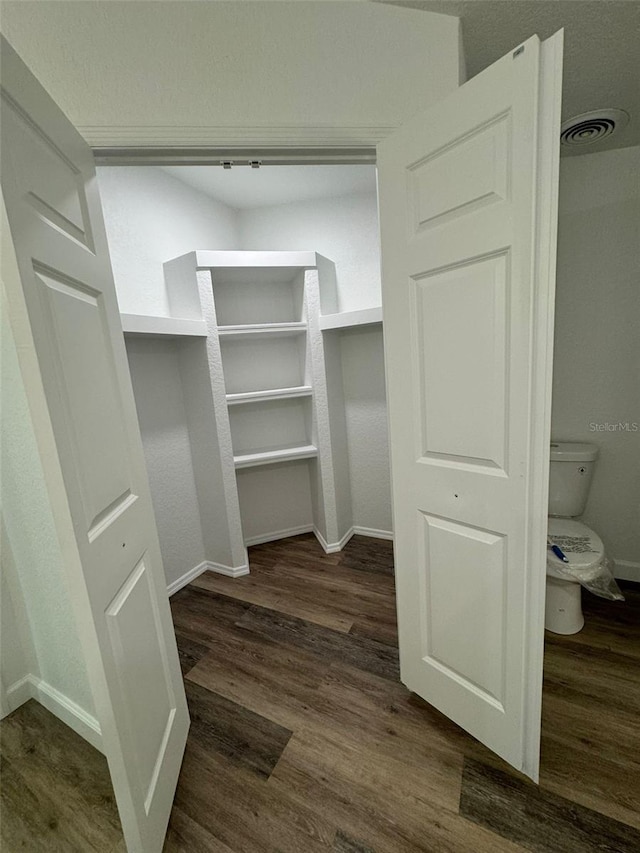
{"x":303,"y":739}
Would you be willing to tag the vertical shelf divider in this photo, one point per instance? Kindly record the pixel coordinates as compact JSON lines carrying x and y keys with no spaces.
{"x":206,"y":406}
{"x":326,"y":526}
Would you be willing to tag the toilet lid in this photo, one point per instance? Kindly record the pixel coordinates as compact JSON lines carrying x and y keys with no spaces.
{"x":580,"y":545}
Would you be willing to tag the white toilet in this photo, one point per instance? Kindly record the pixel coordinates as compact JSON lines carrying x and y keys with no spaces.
{"x":569,"y":480}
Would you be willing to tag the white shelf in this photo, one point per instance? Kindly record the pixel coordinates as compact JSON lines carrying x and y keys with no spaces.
{"x":271,"y":394}
{"x":346,"y":319}
{"x":176,"y":327}
{"x":277,"y":330}
{"x":254,"y":260}
{"x":268,"y":457}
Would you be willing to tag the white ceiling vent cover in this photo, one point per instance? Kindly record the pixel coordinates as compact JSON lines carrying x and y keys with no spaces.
{"x":592,"y":127}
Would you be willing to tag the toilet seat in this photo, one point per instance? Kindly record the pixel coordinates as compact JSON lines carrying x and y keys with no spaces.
{"x":581,"y":546}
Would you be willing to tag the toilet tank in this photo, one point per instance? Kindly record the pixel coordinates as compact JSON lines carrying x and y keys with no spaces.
{"x":570,"y":473}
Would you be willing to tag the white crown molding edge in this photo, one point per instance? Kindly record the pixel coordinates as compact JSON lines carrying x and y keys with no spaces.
{"x":65,"y":709}
{"x":104,"y":136}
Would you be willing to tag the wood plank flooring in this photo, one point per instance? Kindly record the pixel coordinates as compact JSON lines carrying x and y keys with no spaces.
{"x":304,"y":740}
{"x":56,"y":792}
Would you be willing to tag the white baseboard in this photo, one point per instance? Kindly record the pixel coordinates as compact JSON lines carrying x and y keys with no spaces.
{"x":373,"y":532}
{"x":332,"y":547}
{"x":187,"y":577}
{"x":69,"y":712}
{"x":278,"y":534}
{"x":239,"y":571}
{"x":626,"y":570}
{"x":229,"y":571}
{"x":18,"y":693}
{"x":65,"y":709}
{"x":206,"y":566}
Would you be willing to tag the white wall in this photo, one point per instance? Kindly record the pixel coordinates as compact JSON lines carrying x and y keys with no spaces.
{"x":31,"y":561}
{"x":151,"y":217}
{"x":236,"y":73}
{"x":367,"y":432}
{"x":343,"y":228}
{"x":275,"y":500}
{"x":17,"y":654}
{"x":597,"y":338}
{"x":157,"y":386}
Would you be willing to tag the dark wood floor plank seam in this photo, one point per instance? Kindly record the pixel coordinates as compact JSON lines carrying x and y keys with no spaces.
{"x":223,"y":726}
{"x":275,"y":626}
{"x":361,"y":652}
{"x":541,"y":821}
{"x":189,"y":652}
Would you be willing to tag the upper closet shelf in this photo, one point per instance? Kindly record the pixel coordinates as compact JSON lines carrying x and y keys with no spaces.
{"x":277,"y":330}
{"x":271,"y":394}
{"x":146,"y":324}
{"x":346,"y":319}
{"x":254,"y":260}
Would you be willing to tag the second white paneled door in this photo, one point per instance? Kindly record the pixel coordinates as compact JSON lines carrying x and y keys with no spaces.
{"x":468,"y":211}
{"x":64,"y":314}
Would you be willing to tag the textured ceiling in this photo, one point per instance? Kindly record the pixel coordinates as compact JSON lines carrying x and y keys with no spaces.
{"x":601,"y":49}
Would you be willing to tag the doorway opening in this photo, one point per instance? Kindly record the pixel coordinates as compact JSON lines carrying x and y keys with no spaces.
{"x":154,"y":214}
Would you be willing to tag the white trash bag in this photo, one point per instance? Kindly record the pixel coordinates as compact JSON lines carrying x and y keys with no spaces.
{"x":598,"y":578}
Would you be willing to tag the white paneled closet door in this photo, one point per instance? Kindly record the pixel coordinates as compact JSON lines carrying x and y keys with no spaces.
{"x":468,"y":207}
{"x":63,"y":310}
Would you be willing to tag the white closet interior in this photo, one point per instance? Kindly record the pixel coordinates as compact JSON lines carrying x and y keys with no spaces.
{"x":257,"y":372}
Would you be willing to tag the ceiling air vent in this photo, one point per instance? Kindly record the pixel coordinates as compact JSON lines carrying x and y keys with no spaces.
{"x":592,"y":127}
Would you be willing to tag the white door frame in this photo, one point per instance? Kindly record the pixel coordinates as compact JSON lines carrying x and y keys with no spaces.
{"x":548,"y":168}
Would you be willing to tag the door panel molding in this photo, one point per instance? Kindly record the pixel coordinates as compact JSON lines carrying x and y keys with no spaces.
{"x":467,"y":291}
{"x":64,"y":316}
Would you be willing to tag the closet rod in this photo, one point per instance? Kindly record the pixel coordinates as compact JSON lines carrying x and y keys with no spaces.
{"x":160,"y":156}
{"x":156,"y":156}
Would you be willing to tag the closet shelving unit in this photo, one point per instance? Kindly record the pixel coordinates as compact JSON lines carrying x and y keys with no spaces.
{"x":262,"y":388}
{"x":262,"y":329}
{"x":263,"y":397}
{"x":265,"y":445}
{"x":349,"y":319}
{"x":162,"y":327}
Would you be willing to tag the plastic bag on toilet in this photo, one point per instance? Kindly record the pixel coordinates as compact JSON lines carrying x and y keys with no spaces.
{"x":598,"y":579}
